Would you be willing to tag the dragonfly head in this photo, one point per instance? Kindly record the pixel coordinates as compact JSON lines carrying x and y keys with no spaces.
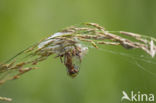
{"x":73,"y":72}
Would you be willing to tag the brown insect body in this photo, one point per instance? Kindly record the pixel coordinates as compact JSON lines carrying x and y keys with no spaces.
{"x":70,"y":66}
{"x":69,"y":57}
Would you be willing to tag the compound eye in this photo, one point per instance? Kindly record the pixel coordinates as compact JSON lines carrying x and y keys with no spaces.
{"x":73,"y":73}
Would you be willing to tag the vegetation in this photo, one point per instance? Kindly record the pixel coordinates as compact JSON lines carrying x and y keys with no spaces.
{"x":70,"y":45}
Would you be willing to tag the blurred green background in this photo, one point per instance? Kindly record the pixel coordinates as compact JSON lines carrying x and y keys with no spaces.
{"x":103,"y":75}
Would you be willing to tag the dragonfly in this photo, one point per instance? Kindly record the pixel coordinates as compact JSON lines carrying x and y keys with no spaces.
{"x":69,"y":51}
